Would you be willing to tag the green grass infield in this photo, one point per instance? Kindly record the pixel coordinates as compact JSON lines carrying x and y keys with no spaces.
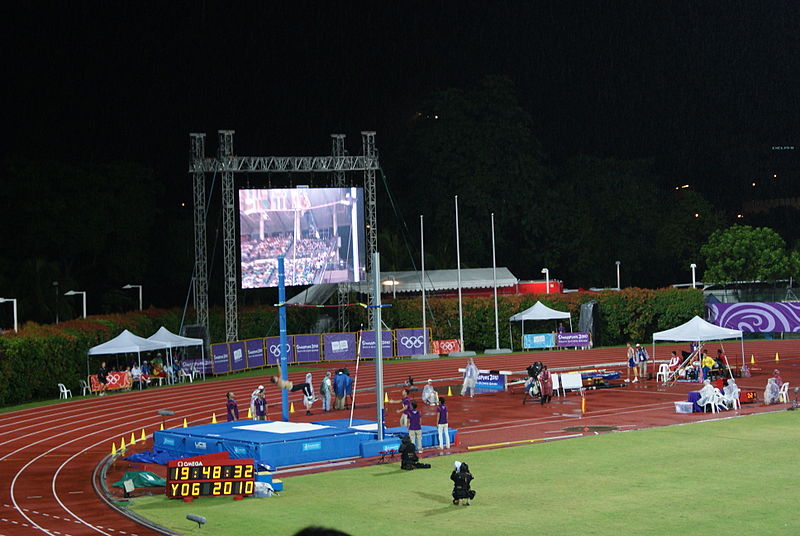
{"x":734,"y":475}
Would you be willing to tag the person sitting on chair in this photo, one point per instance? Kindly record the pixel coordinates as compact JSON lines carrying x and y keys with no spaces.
{"x":462,"y":478}
{"x":730,"y":393}
{"x":674,"y":361}
{"x":771,"y":392}
{"x":429,"y":394}
{"x":709,"y":395}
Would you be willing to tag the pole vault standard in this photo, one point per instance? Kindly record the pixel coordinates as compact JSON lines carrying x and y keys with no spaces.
{"x":228,"y":165}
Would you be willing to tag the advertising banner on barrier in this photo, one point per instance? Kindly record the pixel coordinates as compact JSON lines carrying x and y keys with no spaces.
{"x":577,"y":338}
{"x":220,"y":359}
{"x":273,"y":347}
{"x":538,"y":340}
{"x":116,"y":380}
{"x":410,"y":342}
{"x":758,"y":317}
{"x":238,"y":361}
{"x":255,"y":353}
{"x":339,"y":346}
{"x":446,"y":346}
{"x":491,"y":381}
{"x":368,"y":344}
{"x":307,"y":348}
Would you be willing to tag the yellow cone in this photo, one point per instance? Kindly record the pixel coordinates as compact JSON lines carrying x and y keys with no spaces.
{"x":185,"y":424}
{"x":113,"y":449}
{"x":583,"y":404}
{"x":385,"y":397}
{"x":144,"y":436}
{"x":213,"y":418}
{"x":162,"y":426}
{"x":133,"y":439}
{"x":752,"y":359}
{"x":249,"y":413}
{"x":291,"y":407}
{"x":449,"y":391}
{"x":776,"y":357}
{"x":122,"y":445}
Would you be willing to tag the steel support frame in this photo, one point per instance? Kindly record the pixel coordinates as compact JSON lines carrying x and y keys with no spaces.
{"x":369,"y":151}
{"x":227,"y":165}
{"x":200,"y":282}
{"x":229,"y":236}
{"x":342,"y":289}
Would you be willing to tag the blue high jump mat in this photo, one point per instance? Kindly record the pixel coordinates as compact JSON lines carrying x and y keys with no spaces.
{"x":281,"y":444}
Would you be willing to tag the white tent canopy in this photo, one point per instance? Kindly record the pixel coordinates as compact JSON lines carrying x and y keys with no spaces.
{"x":126,"y":343}
{"x":165,"y":336}
{"x":698,"y":330}
{"x":539,"y":311}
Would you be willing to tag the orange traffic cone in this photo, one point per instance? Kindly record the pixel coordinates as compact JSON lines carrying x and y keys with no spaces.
{"x":776,"y":357}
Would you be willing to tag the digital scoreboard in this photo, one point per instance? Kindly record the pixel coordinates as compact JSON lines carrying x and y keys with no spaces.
{"x":192,"y":478}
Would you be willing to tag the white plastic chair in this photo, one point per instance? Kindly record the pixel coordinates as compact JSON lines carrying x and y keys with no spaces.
{"x":783,"y":394}
{"x":185,"y":374}
{"x":63,"y":392}
{"x":85,"y":387}
{"x":663,"y":372}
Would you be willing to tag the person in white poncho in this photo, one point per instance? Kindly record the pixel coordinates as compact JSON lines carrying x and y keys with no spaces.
{"x":429,"y":394}
{"x":709,"y":395}
{"x":730,"y":393}
{"x":771,"y":392}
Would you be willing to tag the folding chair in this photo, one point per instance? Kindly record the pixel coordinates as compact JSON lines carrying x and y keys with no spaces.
{"x":63,"y":392}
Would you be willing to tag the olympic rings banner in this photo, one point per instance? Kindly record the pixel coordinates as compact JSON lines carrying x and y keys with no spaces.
{"x":339,"y":346}
{"x":238,"y":361}
{"x":411,"y":342}
{"x":255,"y":352}
{"x":115,"y":380}
{"x":368,"y":346}
{"x":220,"y":359}
{"x":307,"y":348}
{"x":446,"y":346}
{"x":273,"y":346}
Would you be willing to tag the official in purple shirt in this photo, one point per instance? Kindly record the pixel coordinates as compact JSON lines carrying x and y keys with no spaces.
{"x":232,"y":407}
{"x":414,"y":425}
{"x":441,"y":424}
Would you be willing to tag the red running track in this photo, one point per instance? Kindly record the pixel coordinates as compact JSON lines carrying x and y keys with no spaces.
{"x":48,"y":454}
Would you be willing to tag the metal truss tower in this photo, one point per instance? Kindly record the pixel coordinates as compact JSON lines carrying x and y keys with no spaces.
{"x":229,"y":236}
{"x":369,"y":151}
{"x":227,"y":165}
{"x":200,"y":283}
{"x":342,"y":289}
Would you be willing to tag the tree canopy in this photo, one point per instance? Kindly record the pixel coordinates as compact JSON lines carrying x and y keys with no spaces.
{"x":744,"y":253}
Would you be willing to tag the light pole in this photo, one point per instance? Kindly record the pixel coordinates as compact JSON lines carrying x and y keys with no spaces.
{"x":693,"y":266}
{"x":546,"y":273}
{"x":14,"y":303}
{"x":75,"y":293}
{"x":55,"y":286}
{"x":140,"y":293}
{"x":618,"y":263}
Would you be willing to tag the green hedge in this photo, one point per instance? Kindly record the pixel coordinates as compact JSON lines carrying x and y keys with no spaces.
{"x":35,"y":360}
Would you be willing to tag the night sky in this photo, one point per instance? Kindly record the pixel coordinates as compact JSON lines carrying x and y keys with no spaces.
{"x":705,"y":89}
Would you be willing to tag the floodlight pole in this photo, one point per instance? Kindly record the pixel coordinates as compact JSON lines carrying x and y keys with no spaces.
{"x":694,"y":280}
{"x":14,"y":303}
{"x":76,"y":292}
{"x":126,"y":287}
{"x":458,"y":266}
{"x":494,"y":276}
{"x":376,"y":325}
{"x":618,"y":263}
{"x":283,"y":338}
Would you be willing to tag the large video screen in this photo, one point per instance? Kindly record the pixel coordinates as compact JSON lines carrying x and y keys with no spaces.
{"x":319,"y":232}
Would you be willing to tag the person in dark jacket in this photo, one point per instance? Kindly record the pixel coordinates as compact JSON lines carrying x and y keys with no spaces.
{"x":461,"y":477}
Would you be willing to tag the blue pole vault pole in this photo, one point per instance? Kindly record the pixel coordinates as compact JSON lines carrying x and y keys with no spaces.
{"x":283,"y":343}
